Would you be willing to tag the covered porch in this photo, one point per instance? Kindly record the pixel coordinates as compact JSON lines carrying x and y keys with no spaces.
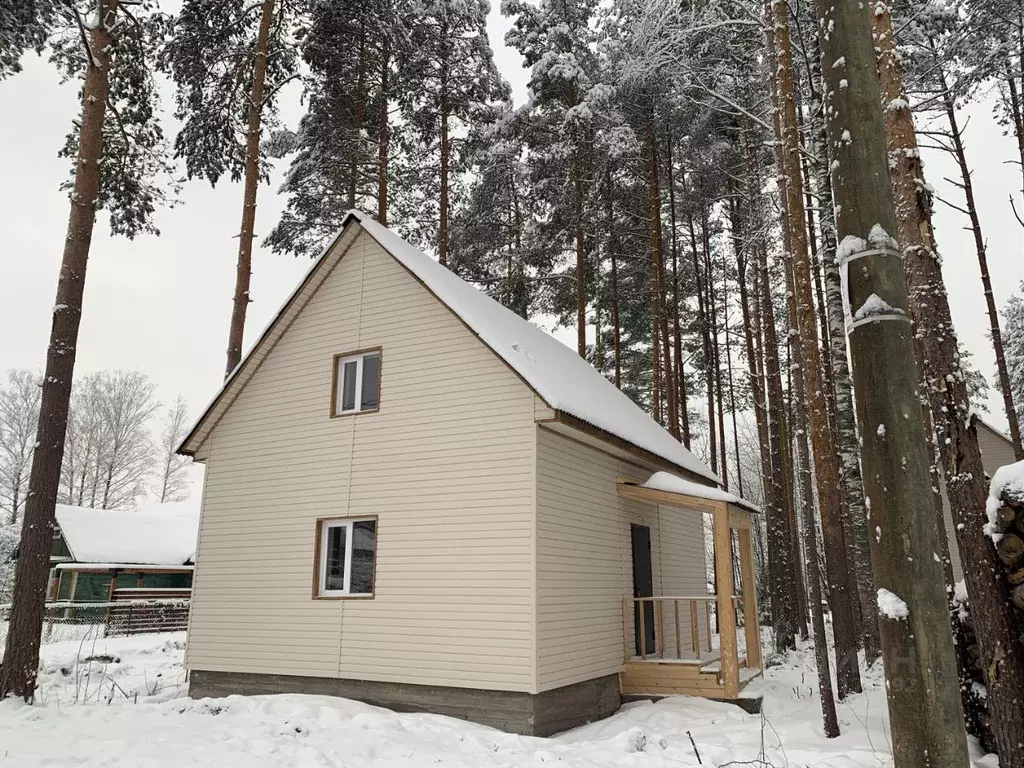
{"x":699,"y":645}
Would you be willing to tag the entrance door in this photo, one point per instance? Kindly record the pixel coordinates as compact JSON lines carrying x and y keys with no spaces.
{"x":643,"y":586}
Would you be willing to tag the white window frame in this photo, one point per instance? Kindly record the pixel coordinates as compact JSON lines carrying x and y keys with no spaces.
{"x":339,"y":382}
{"x":348,"y":524}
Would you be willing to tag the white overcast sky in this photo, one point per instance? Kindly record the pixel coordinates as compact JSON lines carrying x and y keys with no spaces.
{"x":162,"y":304}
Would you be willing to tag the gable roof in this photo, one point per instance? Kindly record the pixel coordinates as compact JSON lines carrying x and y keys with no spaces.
{"x":156,"y":534}
{"x":998,"y":433}
{"x":559,"y":376}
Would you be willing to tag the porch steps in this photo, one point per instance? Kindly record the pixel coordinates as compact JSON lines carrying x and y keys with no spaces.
{"x":666,"y":678}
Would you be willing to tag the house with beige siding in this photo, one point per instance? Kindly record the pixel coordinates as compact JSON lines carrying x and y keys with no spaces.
{"x":414,"y":497}
{"x":996,"y":452}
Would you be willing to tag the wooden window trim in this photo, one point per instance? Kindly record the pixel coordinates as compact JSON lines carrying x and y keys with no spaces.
{"x":318,"y":545}
{"x":335,"y":413}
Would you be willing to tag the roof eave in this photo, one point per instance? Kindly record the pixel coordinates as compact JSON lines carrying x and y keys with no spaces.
{"x":195,"y":438}
{"x":625,"y":445}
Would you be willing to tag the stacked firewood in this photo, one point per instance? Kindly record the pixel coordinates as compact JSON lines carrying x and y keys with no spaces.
{"x":1009,"y":521}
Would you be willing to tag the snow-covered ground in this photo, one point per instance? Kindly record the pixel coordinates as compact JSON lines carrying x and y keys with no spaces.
{"x":126,"y":708}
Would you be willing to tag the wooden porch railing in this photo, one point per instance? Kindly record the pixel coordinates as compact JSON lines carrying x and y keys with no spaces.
{"x":698,"y":608}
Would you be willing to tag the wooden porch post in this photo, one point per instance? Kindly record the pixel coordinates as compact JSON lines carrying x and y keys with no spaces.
{"x":751,"y":625}
{"x":726,"y":611}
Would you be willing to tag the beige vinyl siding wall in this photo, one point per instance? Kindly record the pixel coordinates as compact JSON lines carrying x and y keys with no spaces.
{"x":996,"y":452}
{"x":584,"y":558}
{"x":446,"y":464}
{"x":684,"y":574}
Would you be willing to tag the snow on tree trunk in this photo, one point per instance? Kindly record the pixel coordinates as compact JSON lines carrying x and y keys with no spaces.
{"x":946,"y":388}
{"x":807,"y":370}
{"x":920,"y":668}
{"x":829,"y":719}
{"x":780,"y":550}
{"x":845,"y":426}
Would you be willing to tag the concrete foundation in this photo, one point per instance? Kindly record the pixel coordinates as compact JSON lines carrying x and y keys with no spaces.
{"x":540,"y":714}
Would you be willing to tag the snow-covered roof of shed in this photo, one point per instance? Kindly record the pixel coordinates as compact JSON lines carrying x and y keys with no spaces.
{"x":666,"y":481}
{"x":564,"y":380}
{"x":154,"y":534}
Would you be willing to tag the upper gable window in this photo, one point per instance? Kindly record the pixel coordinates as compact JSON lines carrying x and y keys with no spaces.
{"x":356,"y":383}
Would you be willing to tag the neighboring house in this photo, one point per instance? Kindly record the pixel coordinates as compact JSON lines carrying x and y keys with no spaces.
{"x":98,"y":551}
{"x":996,"y":452}
{"x":415,"y":498}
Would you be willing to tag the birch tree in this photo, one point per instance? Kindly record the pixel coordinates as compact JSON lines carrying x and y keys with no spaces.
{"x":172,"y":480}
{"x":19,"y":416}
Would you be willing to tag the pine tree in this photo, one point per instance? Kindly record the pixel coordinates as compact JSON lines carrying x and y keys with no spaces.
{"x":229,"y":61}
{"x":172,"y":482}
{"x":555,"y":40}
{"x":120,"y":166}
{"x":493,"y":231}
{"x":449,"y":80}
{"x":917,"y":651}
{"x":807,"y":370}
{"x":344,"y":141}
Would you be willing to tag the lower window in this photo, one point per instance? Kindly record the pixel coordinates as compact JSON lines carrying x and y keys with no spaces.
{"x":348,"y":548}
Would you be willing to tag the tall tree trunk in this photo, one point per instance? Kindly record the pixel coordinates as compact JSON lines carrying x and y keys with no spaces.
{"x":845,"y":426}
{"x":917,"y":650}
{"x":678,"y":373}
{"x":732,"y":390}
{"x":780,"y":550}
{"x":756,"y":391}
{"x":702,"y":318}
{"x":658,"y":264}
{"x":442,"y":230}
{"x":825,"y":463}
{"x":15,"y":500}
{"x":986,"y":281}
{"x":21,"y":652}
{"x":613,"y":255}
{"x":358,"y":118}
{"x":656,"y":400}
{"x":795,"y":603}
{"x":830,"y":721}
{"x":581,"y":286}
{"x":713,"y":305}
{"x":383,"y":133}
{"x":250,"y":182}
{"x":819,"y":295}
{"x":1017,"y":117}
{"x":995,"y":624}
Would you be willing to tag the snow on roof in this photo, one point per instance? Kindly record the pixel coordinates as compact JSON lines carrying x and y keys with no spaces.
{"x":563,"y":379}
{"x":666,"y":481}
{"x":154,"y":534}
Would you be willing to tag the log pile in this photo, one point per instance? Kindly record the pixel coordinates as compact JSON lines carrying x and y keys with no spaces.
{"x":1009,"y":521}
